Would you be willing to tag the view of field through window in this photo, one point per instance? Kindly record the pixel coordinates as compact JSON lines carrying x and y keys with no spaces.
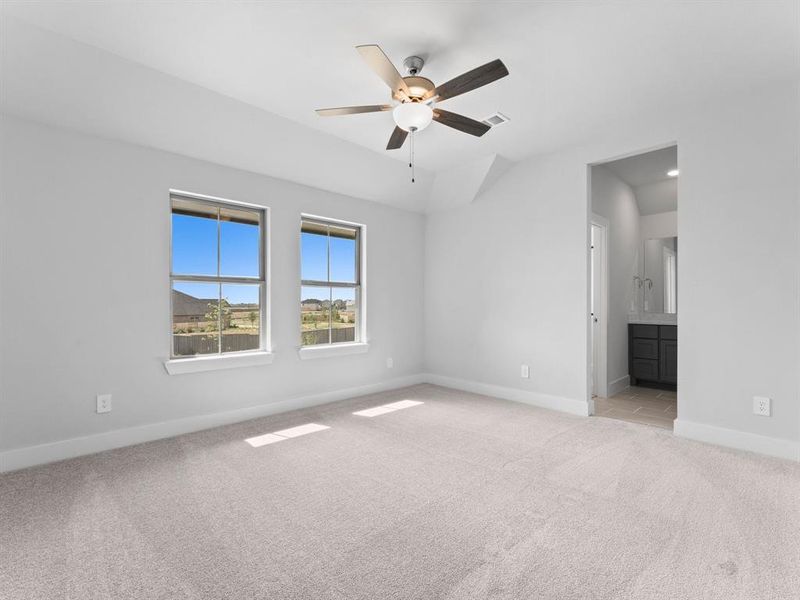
{"x":216,"y":287}
{"x":330,"y":292}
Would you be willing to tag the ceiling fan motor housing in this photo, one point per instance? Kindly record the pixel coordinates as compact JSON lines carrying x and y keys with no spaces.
{"x":413,"y":65}
{"x":417,"y":87}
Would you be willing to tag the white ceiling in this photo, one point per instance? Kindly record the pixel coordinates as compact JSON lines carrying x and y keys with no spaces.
{"x":658,"y":197}
{"x":646,"y":173}
{"x":575,"y":66}
{"x":648,"y":167}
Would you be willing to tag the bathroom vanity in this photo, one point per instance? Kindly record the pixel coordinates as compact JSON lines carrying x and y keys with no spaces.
{"x":653,"y":322}
{"x":653,"y":354}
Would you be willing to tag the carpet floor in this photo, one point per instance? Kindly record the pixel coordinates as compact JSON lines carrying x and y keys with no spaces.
{"x":460,"y":497}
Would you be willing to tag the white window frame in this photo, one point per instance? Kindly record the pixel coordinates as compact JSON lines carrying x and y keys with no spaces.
{"x":223,"y":360}
{"x":360,"y":345}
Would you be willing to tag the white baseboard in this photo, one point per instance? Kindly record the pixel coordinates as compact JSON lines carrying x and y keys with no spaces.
{"x":741,"y":440}
{"x":20,"y":458}
{"x":568,"y":405}
{"x":618,"y":385}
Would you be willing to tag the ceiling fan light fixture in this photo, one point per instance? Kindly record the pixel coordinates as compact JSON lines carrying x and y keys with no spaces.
{"x":412,"y":115}
{"x":419,"y":87}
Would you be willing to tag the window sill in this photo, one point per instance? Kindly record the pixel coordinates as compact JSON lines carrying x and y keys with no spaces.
{"x":197,"y":364}
{"x":328,"y":350}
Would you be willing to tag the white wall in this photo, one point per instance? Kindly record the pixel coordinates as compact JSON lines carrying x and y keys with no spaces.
{"x":660,"y":225}
{"x":505,"y":283}
{"x":740,"y":172}
{"x":614,"y":199}
{"x":506,"y":278}
{"x":84,"y":295}
{"x":85,"y":288}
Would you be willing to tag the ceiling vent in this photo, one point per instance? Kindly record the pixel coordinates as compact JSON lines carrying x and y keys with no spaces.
{"x":496,"y":119}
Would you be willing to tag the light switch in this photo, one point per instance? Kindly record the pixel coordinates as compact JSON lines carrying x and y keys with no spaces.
{"x":103,"y":403}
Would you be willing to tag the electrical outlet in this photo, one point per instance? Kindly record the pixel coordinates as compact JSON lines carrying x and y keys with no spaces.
{"x":103,"y":403}
{"x":525,"y":372}
{"x":389,"y":363}
{"x":762,"y":406}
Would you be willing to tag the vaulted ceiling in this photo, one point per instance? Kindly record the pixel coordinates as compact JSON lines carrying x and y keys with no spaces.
{"x":574,"y":68}
{"x":656,"y":192}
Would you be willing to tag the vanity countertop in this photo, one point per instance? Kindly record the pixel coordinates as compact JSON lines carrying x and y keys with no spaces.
{"x":653,"y":318}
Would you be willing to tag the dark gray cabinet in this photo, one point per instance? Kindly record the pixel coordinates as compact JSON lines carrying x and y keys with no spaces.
{"x":668,"y":361}
{"x":653,"y":355}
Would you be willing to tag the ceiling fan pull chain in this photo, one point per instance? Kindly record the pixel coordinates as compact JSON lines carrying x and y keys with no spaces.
{"x":411,"y":164}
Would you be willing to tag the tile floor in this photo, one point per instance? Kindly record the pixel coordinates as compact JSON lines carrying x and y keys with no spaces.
{"x":640,"y":405}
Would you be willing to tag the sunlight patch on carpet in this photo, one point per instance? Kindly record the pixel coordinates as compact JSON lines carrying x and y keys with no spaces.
{"x":387,"y":408}
{"x":285,"y":434}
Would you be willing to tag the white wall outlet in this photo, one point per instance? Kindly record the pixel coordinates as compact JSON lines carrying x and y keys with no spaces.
{"x":103,"y":403}
{"x":762,"y":406}
{"x":525,"y":372}
{"x":389,"y":363}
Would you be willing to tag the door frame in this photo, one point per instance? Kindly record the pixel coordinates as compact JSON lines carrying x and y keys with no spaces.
{"x":590,"y":214}
{"x":602,"y":223}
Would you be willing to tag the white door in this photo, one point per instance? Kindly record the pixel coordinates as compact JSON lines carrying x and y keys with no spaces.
{"x":598,"y":310}
{"x":596,"y":249}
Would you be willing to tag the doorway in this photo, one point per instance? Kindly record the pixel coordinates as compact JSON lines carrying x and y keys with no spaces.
{"x":633,"y":287}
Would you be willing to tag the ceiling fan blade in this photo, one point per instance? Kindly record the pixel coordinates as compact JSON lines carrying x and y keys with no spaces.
{"x":460,"y":122}
{"x":470,"y":80}
{"x":397,"y":140}
{"x":352,"y":110}
{"x":380,"y":63}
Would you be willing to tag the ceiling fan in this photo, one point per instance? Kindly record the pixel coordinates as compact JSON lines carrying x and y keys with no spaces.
{"x":416,"y":97}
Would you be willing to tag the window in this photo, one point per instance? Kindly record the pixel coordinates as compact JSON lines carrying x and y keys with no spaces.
{"x":330,"y":297}
{"x":217,"y":277}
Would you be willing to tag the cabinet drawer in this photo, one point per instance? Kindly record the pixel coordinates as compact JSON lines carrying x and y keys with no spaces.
{"x":645,"y":331}
{"x":669,"y":332}
{"x":645,"y":369}
{"x":644,"y":348}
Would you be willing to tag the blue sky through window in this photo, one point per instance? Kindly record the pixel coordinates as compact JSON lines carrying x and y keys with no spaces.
{"x":238,"y":252}
{"x":314,"y":263}
{"x":194,"y":245}
{"x":314,"y":256}
{"x":194,"y":252}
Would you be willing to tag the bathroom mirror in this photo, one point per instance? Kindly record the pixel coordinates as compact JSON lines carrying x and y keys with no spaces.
{"x":659,"y":285}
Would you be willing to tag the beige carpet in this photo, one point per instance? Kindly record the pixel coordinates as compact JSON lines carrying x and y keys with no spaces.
{"x":462,"y":497}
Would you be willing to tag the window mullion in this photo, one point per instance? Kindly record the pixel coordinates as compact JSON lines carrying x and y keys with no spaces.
{"x":317,"y":283}
{"x":212,"y":279}
{"x":219,"y":283}
{"x":329,"y":253}
{"x":330,"y":291}
{"x":219,"y":236}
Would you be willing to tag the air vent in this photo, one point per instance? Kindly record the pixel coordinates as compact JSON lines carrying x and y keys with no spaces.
{"x":496,"y":119}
